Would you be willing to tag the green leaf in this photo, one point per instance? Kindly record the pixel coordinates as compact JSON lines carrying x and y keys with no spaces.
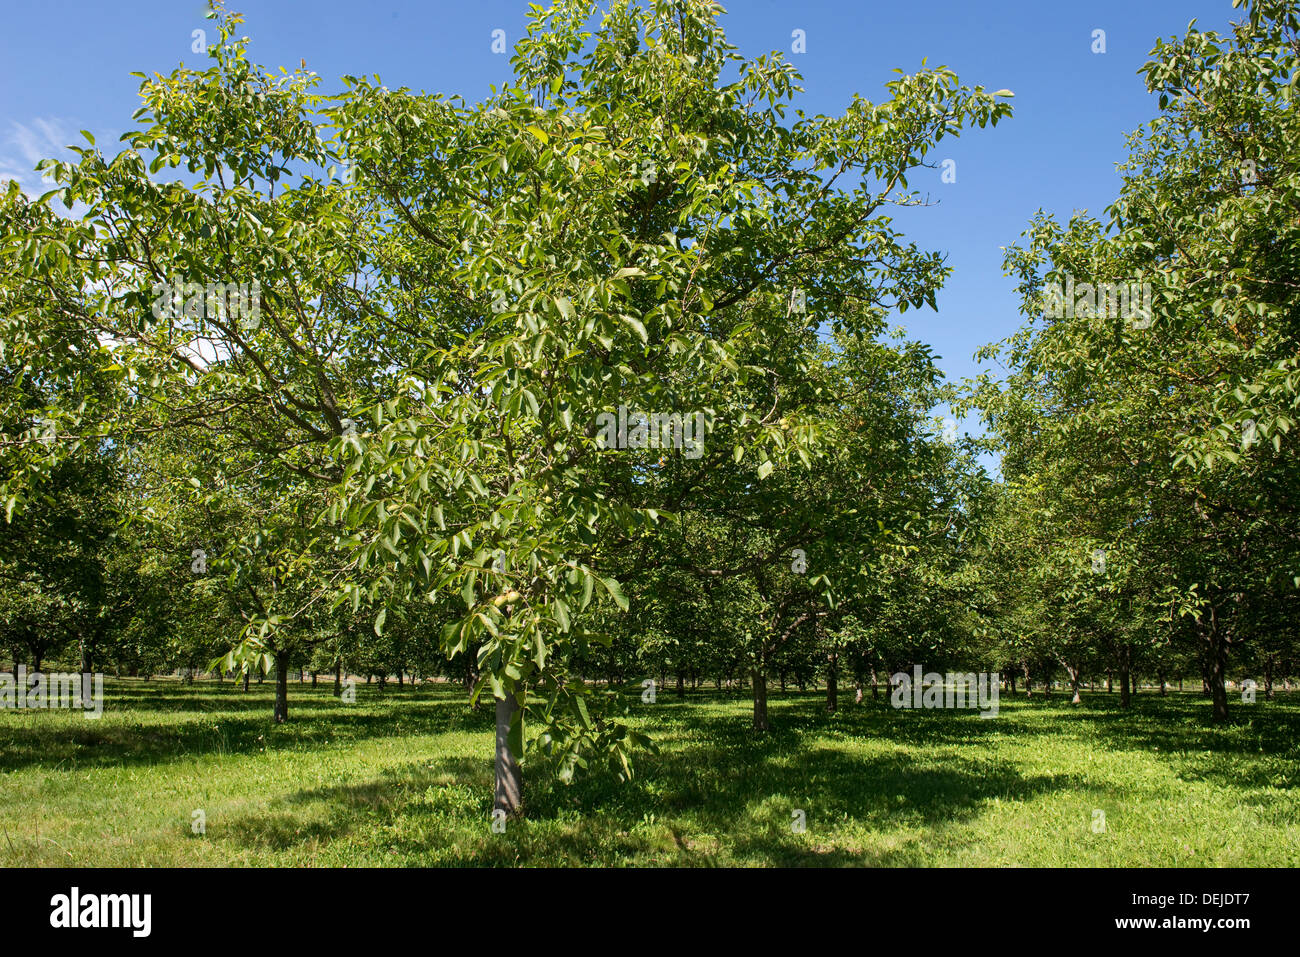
{"x":615,"y":592}
{"x":636,"y":327}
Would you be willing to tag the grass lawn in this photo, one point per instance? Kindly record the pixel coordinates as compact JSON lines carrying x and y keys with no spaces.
{"x":405,"y":779}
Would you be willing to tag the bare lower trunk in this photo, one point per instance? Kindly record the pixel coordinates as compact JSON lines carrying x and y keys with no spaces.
{"x":281,"y":687}
{"x":832,"y":684}
{"x":338,"y":678}
{"x":1217,"y":668}
{"x":1218,"y":691}
{"x":509,"y":778}
{"x":1125,"y":689}
{"x":760,"y":702}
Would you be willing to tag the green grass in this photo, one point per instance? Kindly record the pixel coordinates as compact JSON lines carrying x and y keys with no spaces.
{"x":405,"y":779}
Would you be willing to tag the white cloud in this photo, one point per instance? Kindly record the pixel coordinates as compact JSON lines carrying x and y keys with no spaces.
{"x":22,"y":146}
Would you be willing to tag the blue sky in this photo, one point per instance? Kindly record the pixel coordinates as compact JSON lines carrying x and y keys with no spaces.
{"x":64,"y":67}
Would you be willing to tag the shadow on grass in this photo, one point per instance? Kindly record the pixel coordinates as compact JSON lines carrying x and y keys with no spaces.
{"x":714,"y":778}
{"x":176,"y":725}
{"x":717,"y":793}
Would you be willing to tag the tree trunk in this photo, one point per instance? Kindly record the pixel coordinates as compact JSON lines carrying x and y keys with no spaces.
{"x":1268,"y":678}
{"x":1011,"y":680}
{"x":338,"y":678}
{"x":760,"y":701}
{"x":313,"y":679}
{"x":1217,"y":667}
{"x":832,"y":684}
{"x":1160,"y":675}
{"x":87,"y":656}
{"x":468,"y":679}
{"x":1125,"y":690}
{"x":1218,"y":691}
{"x":1029,"y":688}
{"x":1074,"y":683}
{"x":247,"y":673}
{"x":681,"y":686}
{"x":509,"y":779}
{"x":281,"y":687}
